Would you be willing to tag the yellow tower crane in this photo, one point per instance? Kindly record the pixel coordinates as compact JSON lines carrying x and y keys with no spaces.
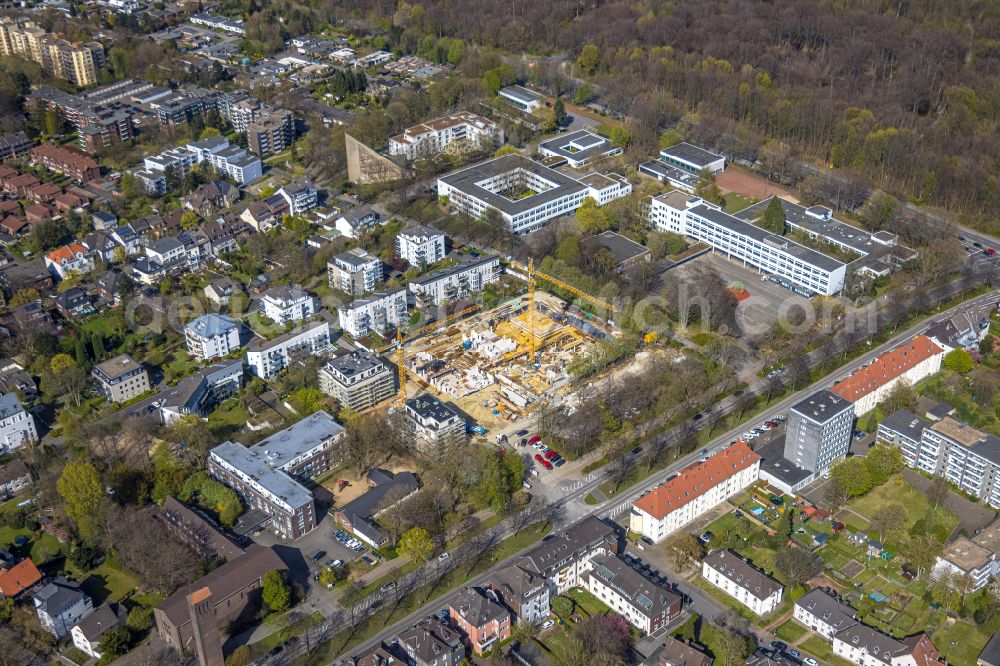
{"x":400,"y":369}
{"x":532,"y":336}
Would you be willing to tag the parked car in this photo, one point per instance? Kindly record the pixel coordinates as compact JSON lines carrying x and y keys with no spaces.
{"x":546,"y":464}
{"x":320,"y":554}
{"x":809,"y":661}
{"x":443,"y":556}
{"x":778,"y":645}
{"x":522,"y":433}
{"x":538,"y":457}
{"x":706,"y":537}
{"x":559,"y":463}
{"x":795,"y":653}
{"x":550,"y":454}
{"x":391,"y":585}
{"x":535,"y":439}
{"x":526,"y":485}
{"x":547,"y":624}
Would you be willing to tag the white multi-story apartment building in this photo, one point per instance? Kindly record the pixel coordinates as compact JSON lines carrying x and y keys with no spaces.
{"x":910,"y":363}
{"x":695,"y":490}
{"x":287,"y":303}
{"x":742,"y":581}
{"x":354,"y":271}
{"x":525,"y":193}
{"x":211,"y":336}
{"x":301,"y":196}
{"x":60,"y":605}
{"x":963,"y":557}
{"x":824,"y":614}
{"x":645,"y":603}
{"x":564,"y":558}
{"x":967,"y":457}
{"x":433,"y":422}
{"x":230,"y":161}
{"x":467,"y":277}
{"x":235,"y":26}
{"x":267,"y":358}
{"x":17,"y":426}
{"x":456,"y":132}
{"x":421,"y":246}
{"x":376,"y":312}
{"x":807,"y":271}
{"x":865,"y":646}
{"x":165,"y":251}
{"x":604,"y":188}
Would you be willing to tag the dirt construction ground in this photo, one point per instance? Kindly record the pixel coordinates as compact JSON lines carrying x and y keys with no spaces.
{"x":739,"y":180}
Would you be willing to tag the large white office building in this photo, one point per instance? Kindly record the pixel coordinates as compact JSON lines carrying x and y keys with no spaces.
{"x":462,"y":130}
{"x":267,"y":358}
{"x":374,"y":313}
{"x":807,"y":271}
{"x":525,"y":193}
{"x":467,"y":277}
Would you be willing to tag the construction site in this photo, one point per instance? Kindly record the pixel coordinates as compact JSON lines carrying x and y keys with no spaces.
{"x":483,"y":364}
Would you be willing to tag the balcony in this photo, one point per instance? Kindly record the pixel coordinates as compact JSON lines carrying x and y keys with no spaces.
{"x":483,"y":644}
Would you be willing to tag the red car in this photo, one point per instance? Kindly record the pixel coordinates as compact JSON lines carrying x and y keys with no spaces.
{"x":539,"y":458}
{"x":550,"y":454}
{"x":546,"y":464}
{"x":990,"y":251}
{"x":535,"y":438}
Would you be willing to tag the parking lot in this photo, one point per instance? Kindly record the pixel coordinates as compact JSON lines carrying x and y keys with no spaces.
{"x":767,"y":302}
{"x":320,"y":539}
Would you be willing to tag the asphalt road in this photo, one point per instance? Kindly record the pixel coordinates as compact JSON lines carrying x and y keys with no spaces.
{"x":623,"y":500}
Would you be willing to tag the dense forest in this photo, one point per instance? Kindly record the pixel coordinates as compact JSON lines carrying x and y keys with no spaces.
{"x":905,"y":93}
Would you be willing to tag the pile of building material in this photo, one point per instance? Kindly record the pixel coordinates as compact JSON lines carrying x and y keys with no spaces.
{"x":488,"y":345}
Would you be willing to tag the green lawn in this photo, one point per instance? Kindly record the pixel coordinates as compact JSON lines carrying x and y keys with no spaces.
{"x":914,"y":501}
{"x":960,"y":641}
{"x":736,"y":202}
{"x":267,"y":329}
{"x":108,"y":581}
{"x":790,"y":631}
{"x":98,"y":324}
{"x":178,"y":365}
{"x":587,"y":602}
{"x":229,"y":418}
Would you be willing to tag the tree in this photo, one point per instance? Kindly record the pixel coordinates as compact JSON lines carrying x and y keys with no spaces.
{"x":901,"y":396}
{"x":22,"y":296}
{"x":140,"y":618}
{"x":276,"y":592}
{"x":682,"y":548}
{"x":562,"y":606}
{"x":882,"y":462}
{"x":523,"y":632}
{"x":584,"y":93}
{"x":773,"y":217}
{"x":923,"y":550}
{"x":241,"y":656}
{"x":592,"y":218}
{"x":559,"y":115}
{"x":664,"y":243}
{"x":889,"y":521}
{"x":853,"y":476}
{"x":209,"y":132}
{"x":796,"y":566}
{"x":416,"y":544}
{"x":118,"y":255}
{"x":83,"y":496}
{"x":330,"y":576}
{"x":620,"y":137}
{"x":707,"y":189}
{"x":958,"y":360}
{"x":938,"y":491}
{"x":986,"y":346}
{"x":189,"y":218}
{"x":669,"y":138}
{"x":589,"y":58}
{"x":115,"y":643}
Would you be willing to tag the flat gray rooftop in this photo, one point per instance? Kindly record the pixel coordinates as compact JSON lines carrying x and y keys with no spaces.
{"x":252,"y":463}
{"x":578,"y":146}
{"x":282,"y":447}
{"x":691,"y":154}
{"x":465,"y":180}
{"x":739,"y":226}
{"x":822,"y":406}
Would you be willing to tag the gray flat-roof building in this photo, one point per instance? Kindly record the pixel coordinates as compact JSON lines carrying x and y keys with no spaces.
{"x":819,"y":431}
{"x":267,"y":474}
{"x":524,"y":99}
{"x":692,"y":159}
{"x":121,"y":378}
{"x":433,"y":422}
{"x":358,"y":380}
{"x":387,"y":490}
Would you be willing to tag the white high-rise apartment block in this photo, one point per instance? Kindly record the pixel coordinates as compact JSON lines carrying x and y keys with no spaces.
{"x":374,"y":313}
{"x":287,"y":303}
{"x":421,"y":246}
{"x":467,"y":277}
{"x":212,"y":335}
